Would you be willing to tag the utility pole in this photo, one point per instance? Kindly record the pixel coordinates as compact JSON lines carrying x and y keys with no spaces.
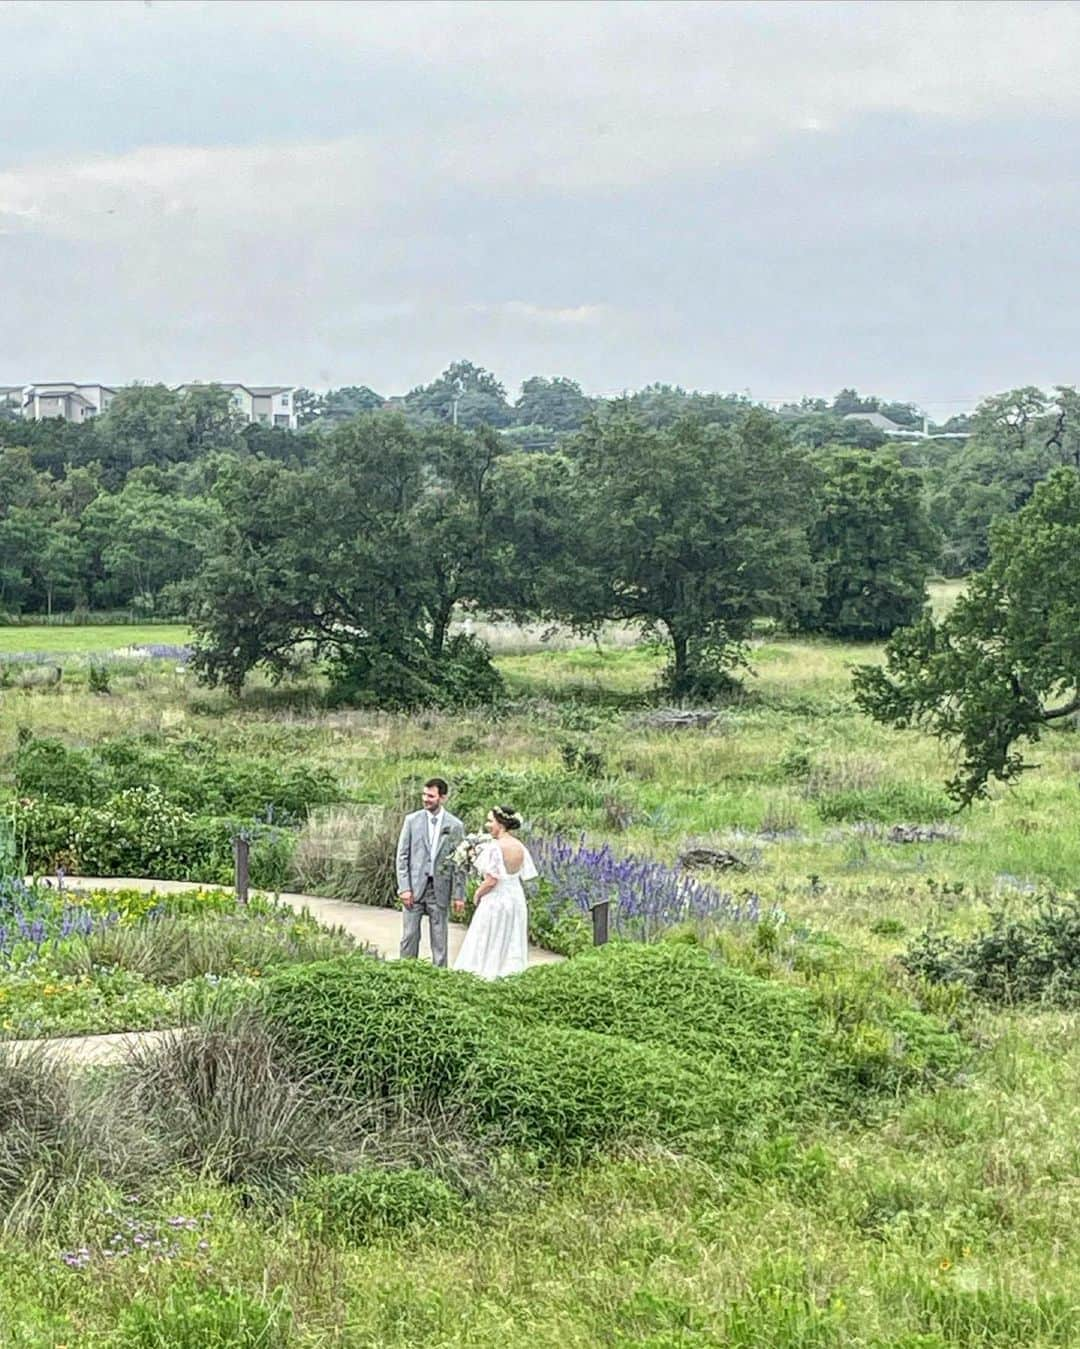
{"x":459,"y":389}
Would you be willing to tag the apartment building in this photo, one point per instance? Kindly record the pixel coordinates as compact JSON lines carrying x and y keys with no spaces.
{"x":65,"y":399}
{"x":259,"y":404}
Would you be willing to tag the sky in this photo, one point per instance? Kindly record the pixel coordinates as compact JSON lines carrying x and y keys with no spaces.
{"x":780,"y":198}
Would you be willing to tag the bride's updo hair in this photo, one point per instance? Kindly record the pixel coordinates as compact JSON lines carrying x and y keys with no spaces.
{"x":507,"y":817}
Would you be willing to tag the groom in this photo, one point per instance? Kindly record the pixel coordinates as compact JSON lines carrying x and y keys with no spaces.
{"x":427,"y":877}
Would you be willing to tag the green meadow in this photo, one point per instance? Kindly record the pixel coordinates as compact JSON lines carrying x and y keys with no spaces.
{"x":945,"y":1215}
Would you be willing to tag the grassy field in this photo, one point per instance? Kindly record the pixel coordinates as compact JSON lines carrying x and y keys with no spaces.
{"x":952,"y":1220}
{"x":89,"y":640}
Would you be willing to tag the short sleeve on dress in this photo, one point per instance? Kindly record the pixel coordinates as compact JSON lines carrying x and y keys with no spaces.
{"x":528,"y":870}
{"x":489,"y":861}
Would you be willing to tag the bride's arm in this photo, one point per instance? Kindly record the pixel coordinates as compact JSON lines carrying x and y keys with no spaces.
{"x":485,"y":887}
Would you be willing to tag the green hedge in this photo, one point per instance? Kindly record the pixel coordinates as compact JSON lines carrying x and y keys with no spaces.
{"x":140,"y":832}
{"x":191,"y":773}
{"x":786,"y":1037}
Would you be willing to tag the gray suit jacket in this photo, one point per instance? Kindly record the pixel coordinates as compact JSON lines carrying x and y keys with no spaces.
{"x":413,"y":860}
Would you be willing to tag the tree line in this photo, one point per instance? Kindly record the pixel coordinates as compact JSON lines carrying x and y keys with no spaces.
{"x":690,"y":515}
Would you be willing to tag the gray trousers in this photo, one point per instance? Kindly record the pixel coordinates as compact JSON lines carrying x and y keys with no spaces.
{"x":438,"y":916}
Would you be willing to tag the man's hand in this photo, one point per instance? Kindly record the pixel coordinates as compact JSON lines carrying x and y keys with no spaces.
{"x":459,"y":906}
{"x":406,"y":898}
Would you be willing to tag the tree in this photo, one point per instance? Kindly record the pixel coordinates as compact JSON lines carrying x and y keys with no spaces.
{"x":360,"y":557}
{"x":693,"y":532}
{"x":23,"y":537}
{"x":874,"y":544}
{"x":1004,"y":664}
{"x":307,"y":405}
{"x":210,"y":419}
{"x":662,"y":405}
{"x":143,"y":425}
{"x":849,"y":400}
{"x":479,"y":396}
{"x":341,"y":405}
{"x":141,"y":540}
{"x":557,"y":403}
{"x":61,"y":564}
{"x":1018,"y":438}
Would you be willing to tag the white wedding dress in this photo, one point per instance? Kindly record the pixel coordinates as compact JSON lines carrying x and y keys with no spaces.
{"x":497,"y":942}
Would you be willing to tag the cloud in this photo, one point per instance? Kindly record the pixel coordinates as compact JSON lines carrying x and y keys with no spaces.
{"x":717,"y":194}
{"x":561,"y":96}
{"x":575,"y":315}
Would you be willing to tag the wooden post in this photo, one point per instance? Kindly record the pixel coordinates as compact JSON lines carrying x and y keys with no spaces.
{"x":600,"y":922}
{"x":241,"y":848}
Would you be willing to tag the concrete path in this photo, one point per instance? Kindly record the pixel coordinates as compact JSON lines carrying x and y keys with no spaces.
{"x":380,"y":928}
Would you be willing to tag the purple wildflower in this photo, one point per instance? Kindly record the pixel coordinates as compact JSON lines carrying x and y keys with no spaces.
{"x":645,"y":895}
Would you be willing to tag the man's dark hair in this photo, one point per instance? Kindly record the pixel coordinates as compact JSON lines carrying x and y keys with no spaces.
{"x":440,"y":784}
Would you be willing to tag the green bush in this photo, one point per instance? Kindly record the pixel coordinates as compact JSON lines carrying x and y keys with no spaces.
{"x":200,"y":1317}
{"x":800,"y":1052}
{"x":140,"y":832}
{"x":47,"y":768}
{"x":462,"y":676}
{"x":365,"y":1205}
{"x":1033,"y":958}
{"x":411,"y":1032}
{"x":191,"y":774}
{"x":44,"y":833}
{"x":909,"y":802}
{"x":649,"y":1042}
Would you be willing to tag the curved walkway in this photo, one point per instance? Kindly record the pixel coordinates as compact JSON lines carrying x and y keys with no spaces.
{"x":379,"y":928}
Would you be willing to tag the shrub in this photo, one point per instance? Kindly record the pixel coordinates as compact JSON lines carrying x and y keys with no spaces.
{"x":200,"y":1317}
{"x":673,"y":995}
{"x":97,"y":679}
{"x":579,"y":758}
{"x":191,"y":774}
{"x":462,"y":676}
{"x":1033,"y":958}
{"x":45,"y":832}
{"x":799,"y":1050}
{"x":48,"y":769}
{"x":630,"y":1042}
{"x":140,"y":832}
{"x":364,"y":1205}
{"x":411,"y":1031}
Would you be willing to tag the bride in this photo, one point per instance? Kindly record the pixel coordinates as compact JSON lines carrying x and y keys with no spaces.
{"x":497,"y":942}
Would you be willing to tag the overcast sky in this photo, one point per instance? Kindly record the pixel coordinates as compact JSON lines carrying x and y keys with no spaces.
{"x":784,"y":198}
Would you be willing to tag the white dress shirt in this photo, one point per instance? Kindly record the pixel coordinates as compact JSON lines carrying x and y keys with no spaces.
{"x":434,"y":827}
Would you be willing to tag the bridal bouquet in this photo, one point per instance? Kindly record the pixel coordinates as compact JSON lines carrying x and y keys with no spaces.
{"x":467,"y":851}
